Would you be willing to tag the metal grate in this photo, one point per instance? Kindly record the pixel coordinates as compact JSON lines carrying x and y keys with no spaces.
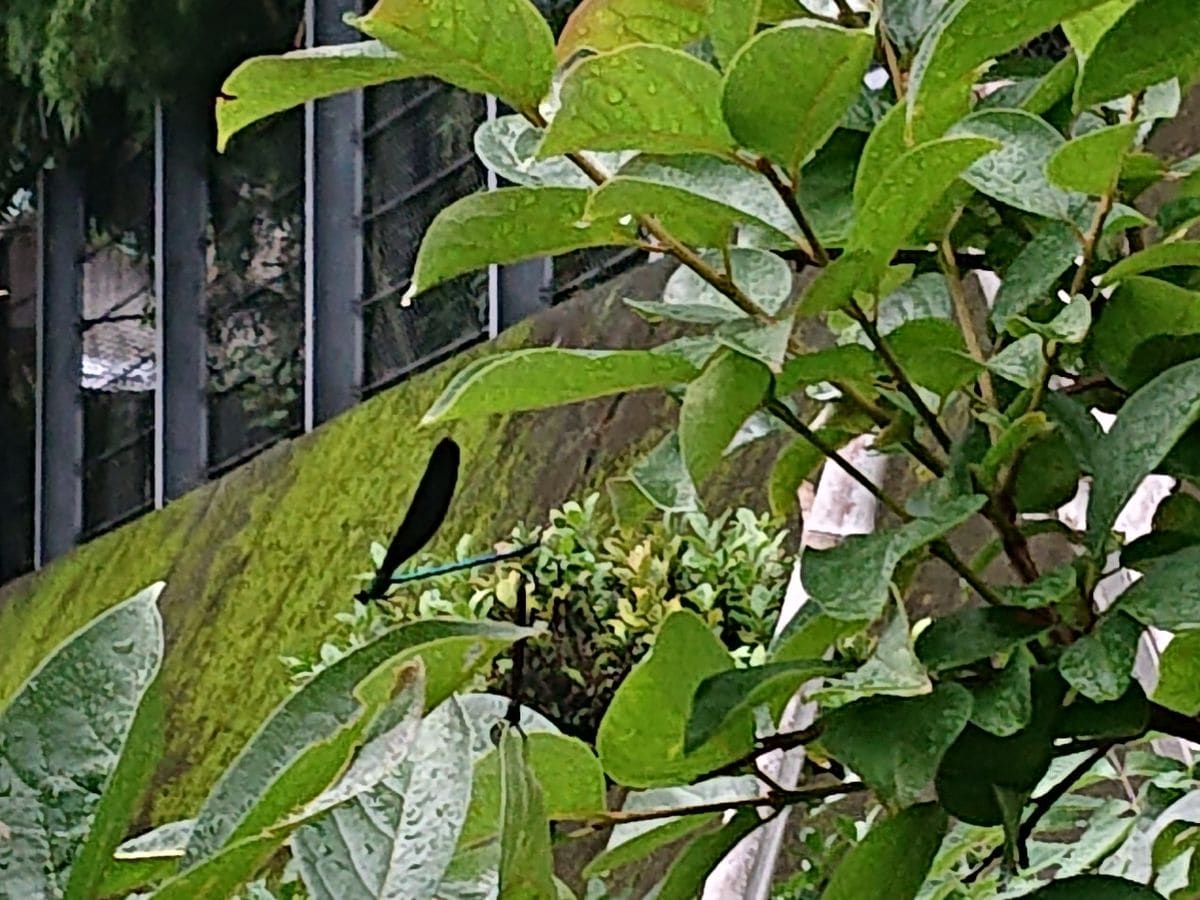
{"x":18,"y":292}
{"x":118,"y":377}
{"x":256,"y":292}
{"x":418,"y":158}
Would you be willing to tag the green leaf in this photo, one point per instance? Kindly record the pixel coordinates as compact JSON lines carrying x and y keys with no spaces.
{"x":635,"y":841}
{"x":835,"y":284}
{"x":1052,"y":588}
{"x":547,"y":376}
{"x":1131,"y":340}
{"x":763,"y":277}
{"x":909,"y":190}
{"x":567,"y":771}
{"x":1091,"y":163}
{"x":1100,"y":665}
{"x":662,"y":478}
{"x":1179,"y":675}
{"x":145,"y":859}
{"x":970,"y":32}
{"x":766,"y":343}
{"x":526,"y":863}
{"x":1022,"y":362}
{"x":1031,"y":277}
{"x":1095,"y":887}
{"x":639,"y":98}
{"x":896,"y":744}
{"x":691,"y":868}
{"x":908,"y":21}
{"x":506,"y":226}
{"x":70,"y":770}
{"x":971,"y":635}
{"x":731,"y":24}
{"x":715,"y":405}
{"x":1154,"y":257}
{"x":699,"y":199}
{"x":1009,"y":444}
{"x":508,"y":146}
{"x":850,"y":581}
{"x":602,"y":25}
{"x":397,"y":839}
{"x":1127,"y":716}
{"x":851,"y":362}
{"x":809,"y":634}
{"x":728,"y":699}
{"x":1016,"y":172}
{"x":1002,"y":704}
{"x":1048,"y":474}
{"x":891,"y":862}
{"x":795,"y":464}
{"x":892,"y":669}
{"x":333,"y":704}
{"x":1149,"y":425}
{"x":787,"y":90}
{"x":1070,"y":326}
{"x":641,"y":738}
{"x":393,"y":732}
{"x":826,"y":187}
{"x":265,"y":85}
{"x":932,"y":353}
{"x":1176,"y":525}
{"x":472,"y":44}
{"x":1168,"y":594}
{"x":1124,"y":61}
{"x":1085,"y":30}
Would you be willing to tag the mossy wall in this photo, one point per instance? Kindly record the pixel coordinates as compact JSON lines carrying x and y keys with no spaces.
{"x":257,"y":563}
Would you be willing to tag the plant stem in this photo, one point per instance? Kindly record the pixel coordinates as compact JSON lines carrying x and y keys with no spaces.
{"x":787,"y":194}
{"x":785,"y":740}
{"x":903,"y":383}
{"x":773,"y":800}
{"x":1042,"y":806}
{"x":962,"y":312}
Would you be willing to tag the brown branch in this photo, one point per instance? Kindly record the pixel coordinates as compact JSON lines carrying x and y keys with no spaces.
{"x":787,"y":194}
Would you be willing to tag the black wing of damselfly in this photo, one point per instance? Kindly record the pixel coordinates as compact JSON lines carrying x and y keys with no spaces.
{"x":425,"y":515}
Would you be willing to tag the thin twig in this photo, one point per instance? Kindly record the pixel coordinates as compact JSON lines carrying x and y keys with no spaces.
{"x":1040,"y":807}
{"x":962,"y":312}
{"x":773,"y":800}
{"x":903,"y":383}
{"x":785,"y":740}
{"x":893,"y":64}
{"x":787,"y":194}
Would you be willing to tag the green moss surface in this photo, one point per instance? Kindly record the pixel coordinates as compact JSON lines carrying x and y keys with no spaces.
{"x":257,"y":563}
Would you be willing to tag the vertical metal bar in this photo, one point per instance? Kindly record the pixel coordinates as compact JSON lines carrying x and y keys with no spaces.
{"x":58,"y":509}
{"x":180,"y":277}
{"x":520,"y":290}
{"x":333,"y":343}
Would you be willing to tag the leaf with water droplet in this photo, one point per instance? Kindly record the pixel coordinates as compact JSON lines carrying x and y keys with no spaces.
{"x":602,"y":25}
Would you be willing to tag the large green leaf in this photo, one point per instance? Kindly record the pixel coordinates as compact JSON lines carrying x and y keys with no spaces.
{"x":789,"y":87}
{"x":1092,"y":162}
{"x":1132,"y":338}
{"x":715,"y":406}
{"x":1125,"y":60}
{"x":1002,"y":703}
{"x":794,"y":465}
{"x":971,"y":635}
{"x":1031,"y":277}
{"x":398,"y":839}
{"x":728,"y":697}
{"x":73,"y":752}
{"x":641,"y":97}
{"x":255,"y":787}
{"x":850,"y":362}
{"x":509,"y":225}
{"x":395,"y":692}
{"x":891,"y":862}
{"x":1168,"y":594}
{"x":602,"y":25}
{"x":892,"y":669}
{"x":970,"y":32}
{"x":566,"y":769}
{"x":1148,"y":426}
{"x":895,"y":744}
{"x":1016,"y":172}
{"x":1179,"y":675}
{"x":504,"y":50}
{"x":1095,"y":887}
{"x":1100,"y":665}
{"x":907,"y":22}
{"x":266,"y":85}
{"x":700,"y":199}
{"x":1154,"y":257}
{"x":547,"y":376}
{"x":1085,"y":30}
{"x":686,"y":877}
{"x":850,"y":581}
{"x":731,"y":24}
{"x":526,"y":864}
{"x":641,"y":738}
